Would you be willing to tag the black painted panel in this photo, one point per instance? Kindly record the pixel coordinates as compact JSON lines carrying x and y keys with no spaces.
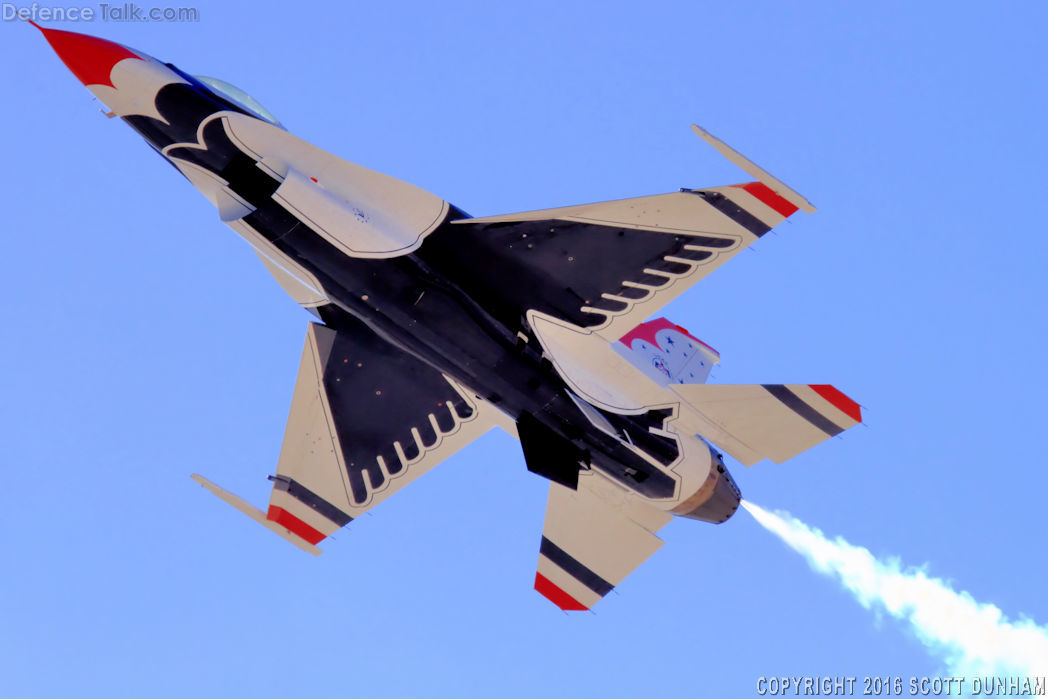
{"x":377,"y":394}
{"x":575,"y":568}
{"x":549,"y":454}
{"x":553,"y":266}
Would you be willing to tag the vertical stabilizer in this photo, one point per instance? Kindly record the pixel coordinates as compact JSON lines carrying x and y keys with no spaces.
{"x":667,"y":353}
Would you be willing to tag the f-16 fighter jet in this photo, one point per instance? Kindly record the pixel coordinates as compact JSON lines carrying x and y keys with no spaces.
{"x":434,"y":327}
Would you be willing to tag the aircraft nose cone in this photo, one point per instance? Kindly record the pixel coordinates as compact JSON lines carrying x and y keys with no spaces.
{"x":89,"y":58}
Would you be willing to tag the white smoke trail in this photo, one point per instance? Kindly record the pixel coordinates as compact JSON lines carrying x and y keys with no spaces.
{"x":973,"y":639}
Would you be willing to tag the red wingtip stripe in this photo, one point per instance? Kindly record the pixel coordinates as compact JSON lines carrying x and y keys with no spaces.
{"x":840,"y":401}
{"x":768,"y":196}
{"x":294,"y":524}
{"x":556,"y":595}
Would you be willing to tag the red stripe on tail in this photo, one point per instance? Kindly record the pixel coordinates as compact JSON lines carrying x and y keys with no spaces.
{"x":556,"y":595}
{"x":840,"y":401}
{"x":767,"y":195}
{"x":294,"y":524}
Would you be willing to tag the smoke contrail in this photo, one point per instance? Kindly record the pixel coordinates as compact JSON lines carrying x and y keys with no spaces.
{"x":973,"y":639}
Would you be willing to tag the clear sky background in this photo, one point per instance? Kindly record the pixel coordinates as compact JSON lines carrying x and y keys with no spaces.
{"x":143,"y":341}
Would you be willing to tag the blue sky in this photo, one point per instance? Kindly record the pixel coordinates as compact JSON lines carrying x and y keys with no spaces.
{"x":143,"y":341}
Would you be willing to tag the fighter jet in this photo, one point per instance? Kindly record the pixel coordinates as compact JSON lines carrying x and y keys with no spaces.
{"x":434,"y":327}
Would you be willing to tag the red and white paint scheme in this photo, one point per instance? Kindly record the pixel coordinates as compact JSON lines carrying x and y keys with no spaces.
{"x":668,"y":353}
{"x":124,"y":79}
{"x":434,"y":327}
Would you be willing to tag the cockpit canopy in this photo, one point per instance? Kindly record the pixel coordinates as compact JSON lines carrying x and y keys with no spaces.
{"x":237,"y":96}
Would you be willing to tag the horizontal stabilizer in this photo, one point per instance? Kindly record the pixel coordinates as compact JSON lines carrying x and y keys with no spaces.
{"x":256,"y":514}
{"x":767,"y":421}
{"x":592,"y":539}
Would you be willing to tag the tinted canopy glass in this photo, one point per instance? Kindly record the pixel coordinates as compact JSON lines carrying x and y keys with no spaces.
{"x":237,"y":96}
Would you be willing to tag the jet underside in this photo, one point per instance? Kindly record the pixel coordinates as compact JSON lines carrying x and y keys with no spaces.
{"x":437,"y":327}
{"x":415,"y":303}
